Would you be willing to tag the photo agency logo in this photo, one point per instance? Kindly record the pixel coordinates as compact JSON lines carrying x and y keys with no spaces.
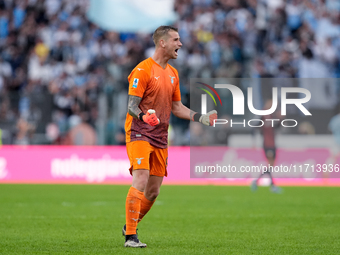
{"x":239,"y":105}
{"x":204,"y":96}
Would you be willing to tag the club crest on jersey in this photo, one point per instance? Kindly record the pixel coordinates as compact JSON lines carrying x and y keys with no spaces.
{"x":172,"y":79}
{"x":139,"y":160}
{"x":135,"y":82}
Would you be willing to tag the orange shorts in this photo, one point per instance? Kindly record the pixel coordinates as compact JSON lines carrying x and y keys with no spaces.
{"x":143,"y":155}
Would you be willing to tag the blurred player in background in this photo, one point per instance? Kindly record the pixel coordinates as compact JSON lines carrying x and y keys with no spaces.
{"x":153,"y":94}
{"x":269,"y":146}
{"x":334,"y":126}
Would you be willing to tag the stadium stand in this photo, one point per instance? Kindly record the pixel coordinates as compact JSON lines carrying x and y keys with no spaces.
{"x":57,"y":67}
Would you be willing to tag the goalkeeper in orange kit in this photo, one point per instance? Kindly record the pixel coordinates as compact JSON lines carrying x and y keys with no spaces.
{"x":153,"y":94}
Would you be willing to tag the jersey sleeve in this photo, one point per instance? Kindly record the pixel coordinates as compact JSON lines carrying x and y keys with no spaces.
{"x":177,"y":93}
{"x":138,"y":80}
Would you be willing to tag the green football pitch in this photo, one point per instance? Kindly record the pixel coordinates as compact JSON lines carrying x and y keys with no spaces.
{"x":87,"y":219}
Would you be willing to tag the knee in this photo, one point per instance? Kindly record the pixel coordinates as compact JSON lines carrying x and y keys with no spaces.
{"x":140,"y":184}
{"x":152,"y":194}
{"x":140,"y":179}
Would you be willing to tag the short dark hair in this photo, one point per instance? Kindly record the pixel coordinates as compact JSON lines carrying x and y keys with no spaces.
{"x":162,"y":31}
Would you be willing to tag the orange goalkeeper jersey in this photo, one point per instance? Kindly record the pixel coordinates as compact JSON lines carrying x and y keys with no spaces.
{"x":157,"y":87}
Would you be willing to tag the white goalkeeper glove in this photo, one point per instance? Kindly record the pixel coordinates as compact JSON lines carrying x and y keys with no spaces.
{"x":206,"y":119}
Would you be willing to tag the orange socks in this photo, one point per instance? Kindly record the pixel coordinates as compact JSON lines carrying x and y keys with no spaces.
{"x":132,"y":209}
{"x":145,"y":207}
{"x":136,"y":206}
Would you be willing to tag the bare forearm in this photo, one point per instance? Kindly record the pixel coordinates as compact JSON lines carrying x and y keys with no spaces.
{"x":133,"y":106}
{"x":183,"y":112}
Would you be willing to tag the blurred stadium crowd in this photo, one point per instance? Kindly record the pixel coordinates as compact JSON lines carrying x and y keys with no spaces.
{"x":63,"y":80}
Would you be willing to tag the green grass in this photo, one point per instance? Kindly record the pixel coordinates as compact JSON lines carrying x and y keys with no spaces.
{"x":87,"y":219}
